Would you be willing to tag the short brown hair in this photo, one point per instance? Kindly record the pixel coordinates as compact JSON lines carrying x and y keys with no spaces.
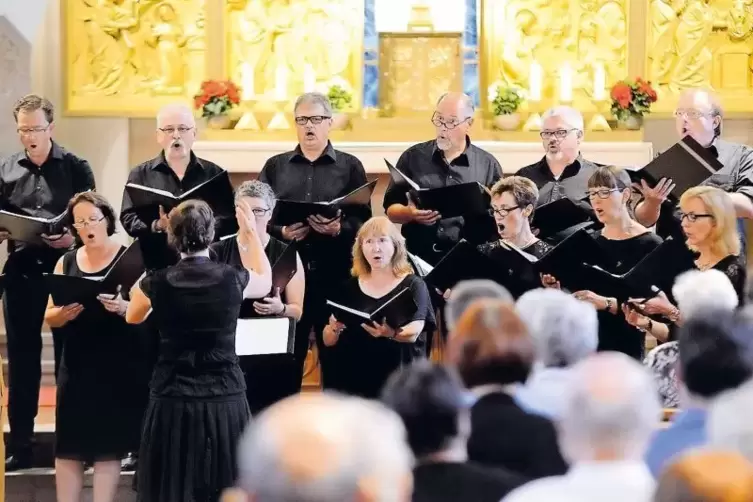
{"x":523,"y":190}
{"x":380,"y":226}
{"x":707,"y":476}
{"x":32,"y":103}
{"x":491,"y":345}
{"x":607,"y":177}
{"x":98,"y":201}
{"x":191,"y":226}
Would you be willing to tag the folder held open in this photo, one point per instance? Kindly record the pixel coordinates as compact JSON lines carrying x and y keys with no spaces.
{"x":396,"y":312}
{"x":289,"y":212}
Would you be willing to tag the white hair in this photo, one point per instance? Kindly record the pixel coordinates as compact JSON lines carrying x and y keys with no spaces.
{"x":466,"y":292}
{"x":564,"y":328}
{"x":703,"y":290}
{"x":568,"y":114}
{"x":729,"y":426}
{"x":370,"y":441}
{"x":175,"y":108}
{"x":314,"y":98}
{"x":608,"y":408}
{"x":465,"y":100}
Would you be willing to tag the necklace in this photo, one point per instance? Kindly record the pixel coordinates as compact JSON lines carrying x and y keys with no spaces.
{"x":530,"y":242}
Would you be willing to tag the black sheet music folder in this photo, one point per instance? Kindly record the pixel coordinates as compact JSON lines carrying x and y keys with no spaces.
{"x":289,"y":212}
{"x":397,"y":311}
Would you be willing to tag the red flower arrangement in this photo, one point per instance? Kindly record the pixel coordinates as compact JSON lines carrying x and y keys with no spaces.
{"x":217,"y":97}
{"x":632,"y":98}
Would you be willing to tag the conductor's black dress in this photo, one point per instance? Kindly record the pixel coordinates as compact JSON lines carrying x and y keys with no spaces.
{"x":197,"y":409}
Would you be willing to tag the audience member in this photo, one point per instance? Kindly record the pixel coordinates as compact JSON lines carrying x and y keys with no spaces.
{"x":493,"y":352}
{"x":714,"y":356}
{"x":435,"y":408}
{"x":729,"y":426}
{"x":707,"y":476}
{"x":466,"y":292}
{"x":605,"y":427}
{"x":325,"y":448}
{"x":565,"y":330}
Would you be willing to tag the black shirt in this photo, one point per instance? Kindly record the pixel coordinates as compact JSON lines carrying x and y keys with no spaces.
{"x":425,"y":164}
{"x":156,"y":173}
{"x":43,"y":191}
{"x":467,"y":482}
{"x":333,"y":174}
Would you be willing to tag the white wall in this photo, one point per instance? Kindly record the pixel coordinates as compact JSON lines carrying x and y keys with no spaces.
{"x":393,"y":15}
{"x":26,"y":15}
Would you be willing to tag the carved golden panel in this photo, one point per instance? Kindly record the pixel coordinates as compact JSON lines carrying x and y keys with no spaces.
{"x":697,"y":43}
{"x":416,"y":69}
{"x":283,"y":47}
{"x":129,"y":57}
{"x":583,"y":33}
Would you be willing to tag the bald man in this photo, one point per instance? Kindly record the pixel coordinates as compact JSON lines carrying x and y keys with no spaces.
{"x":324,"y":448}
{"x":699,"y":114}
{"x":449,"y":159}
{"x":608,"y":418}
{"x":176,"y":169}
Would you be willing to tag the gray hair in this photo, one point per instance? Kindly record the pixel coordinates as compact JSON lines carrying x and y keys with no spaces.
{"x":608,"y":409}
{"x":703,"y":290}
{"x":729,"y":425}
{"x":258,"y":190}
{"x":370,"y":441}
{"x":568,"y":114}
{"x":465,"y":100}
{"x":171,"y":108}
{"x":314,"y":98}
{"x":564,"y":328}
{"x":466,"y":292}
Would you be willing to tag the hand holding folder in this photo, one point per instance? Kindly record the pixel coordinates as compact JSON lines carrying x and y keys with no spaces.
{"x":462,"y":199}
{"x":395,"y":312}
{"x":289,"y":212}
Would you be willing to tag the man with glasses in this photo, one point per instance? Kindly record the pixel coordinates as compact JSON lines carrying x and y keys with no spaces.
{"x":176,"y":169}
{"x":39,"y":181}
{"x":314,"y":172}
{"x":448,"y":159}
{"x":562,"y":172}
{"x":699,"y":114}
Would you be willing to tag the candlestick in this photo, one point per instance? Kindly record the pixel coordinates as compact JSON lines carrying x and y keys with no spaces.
{"x":309,"y":78}
{"x":281,"y":83}
{"x":535,"y":77}
{"x":248,"y":121}
{"x":600,"y":82}
{"x":278,"y":121}
{"x":566,"y":83}
{"x":247,"y":82}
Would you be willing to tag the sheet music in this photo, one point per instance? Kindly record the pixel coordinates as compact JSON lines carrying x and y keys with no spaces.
{"x":259,"y":336}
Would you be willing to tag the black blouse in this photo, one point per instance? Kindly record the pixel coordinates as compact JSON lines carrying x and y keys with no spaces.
{"x":196,"y":304}
{"x":520,"y":282}
{"x":734,"y":268}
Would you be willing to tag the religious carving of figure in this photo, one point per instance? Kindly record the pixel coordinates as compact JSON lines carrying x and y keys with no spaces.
{"x":602,"y":39}
{"x":664,"y":22}
{"x":740,"y":20}
{"x":692,"y":67}
{"x":168,"y":39}
{"x":517,"y":54}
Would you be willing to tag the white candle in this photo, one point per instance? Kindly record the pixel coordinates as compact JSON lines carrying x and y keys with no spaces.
{"x":566,"y":83}
{"x":309,"y":78}
{"x":281,"y":83}
{"x":247,"y":82}
{"x":600,"y":82}
{"x":535,"y":78}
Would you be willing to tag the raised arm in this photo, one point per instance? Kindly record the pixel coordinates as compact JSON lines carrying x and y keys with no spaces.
{"x":140,"y":304}
{"x":253,"y":257}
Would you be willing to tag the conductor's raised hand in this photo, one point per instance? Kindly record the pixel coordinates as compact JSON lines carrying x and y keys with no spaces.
{"x":378,"y":330}
{"x":4,"y":235}
{"x":114,"y":303}
{"x":271,"y":305}
{"x":422,"y":216}
{"x":326,"y":226}
{"x":59,"y":241}
{"x":245,"y":218}
{"x":163,"y":221}
{"x":66,"y":314}
{"x":657,"y":194}
{"x":295,"y":232}
{"x":549,"y":281}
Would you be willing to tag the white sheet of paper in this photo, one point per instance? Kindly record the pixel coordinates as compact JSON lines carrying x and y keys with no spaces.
{"x":254,"y":337}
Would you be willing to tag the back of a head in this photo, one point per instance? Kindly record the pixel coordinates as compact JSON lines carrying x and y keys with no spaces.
{"x":704,"y":290}
{"x":466,"y":292}
{"x":564,"y":328}
{"x":608,"y":411}
{"x":706,"y":476}
{"x":430,"y":399}
{"x":191,"y":227}
{"x":325,"y":447}
{"x":729,"y":426}
{"x":715,"y":351}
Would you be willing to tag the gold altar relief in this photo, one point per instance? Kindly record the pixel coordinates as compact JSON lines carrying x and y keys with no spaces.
{"x":129,"y":57}
{"x":583,"y":33}
{"x":699,"y":43}
{"x":416,"y":69}
{"x":281,"y":48}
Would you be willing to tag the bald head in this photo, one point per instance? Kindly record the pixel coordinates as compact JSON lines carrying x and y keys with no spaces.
{"x":175,"y":113}
{"x":323,"y":447}
{"x":610,"y":410}
{"x":699,"y":114}
{"x":456,"y":103}
{"x":176,"y":133}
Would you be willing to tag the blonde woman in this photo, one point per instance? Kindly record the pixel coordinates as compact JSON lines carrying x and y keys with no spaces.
{"x":364,"y":356}
{"x":710,"y":228}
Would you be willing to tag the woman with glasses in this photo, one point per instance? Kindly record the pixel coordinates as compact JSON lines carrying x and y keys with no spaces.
{"x":626,"y":242}
{"x":710,"y":227}
{"x":100,"y":387}
{"x":273,"y":377}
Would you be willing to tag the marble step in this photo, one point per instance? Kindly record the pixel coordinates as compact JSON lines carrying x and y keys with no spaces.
{"x":38,"y":485}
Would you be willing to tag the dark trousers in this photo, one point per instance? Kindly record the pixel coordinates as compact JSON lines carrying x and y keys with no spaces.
{"x":24,"y":303}
{"x":315,"y":316}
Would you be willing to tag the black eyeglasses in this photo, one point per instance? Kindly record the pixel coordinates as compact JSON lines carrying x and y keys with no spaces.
{"x":91,"y":222}
{"x":260,"y":211}
{"x":502,"y":211}
{"x":441,"y":122}
{"x":559,"y":133}
{"x":693,"y":217}
{"x":602,"y":194}
{"x":171,"y":130}
{"x":315,"y":119}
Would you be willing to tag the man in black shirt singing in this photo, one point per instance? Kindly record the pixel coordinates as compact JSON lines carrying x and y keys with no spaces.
{"x":176,"y":169}
{"x":39,"y":181}
{"x":316,"y":172}
{"x":449,"y":159}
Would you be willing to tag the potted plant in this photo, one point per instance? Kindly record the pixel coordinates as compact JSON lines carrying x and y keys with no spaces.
{"x":631,"y":99}
{"x":341,"y":99}
{"x":505,"y":102}
{"x":215,"y":100}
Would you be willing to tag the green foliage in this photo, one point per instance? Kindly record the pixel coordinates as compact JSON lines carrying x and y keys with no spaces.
{"x":507,"y":101}
{"x":339,"y":97}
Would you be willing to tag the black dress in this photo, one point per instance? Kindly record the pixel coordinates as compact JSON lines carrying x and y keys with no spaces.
{"x":197,"y":408}
{"x":269,"y":378}
{"x":362,"y":363}
{"x":615,"y":333}
{"x":100,"y":387}
{"x":522,"y":281}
